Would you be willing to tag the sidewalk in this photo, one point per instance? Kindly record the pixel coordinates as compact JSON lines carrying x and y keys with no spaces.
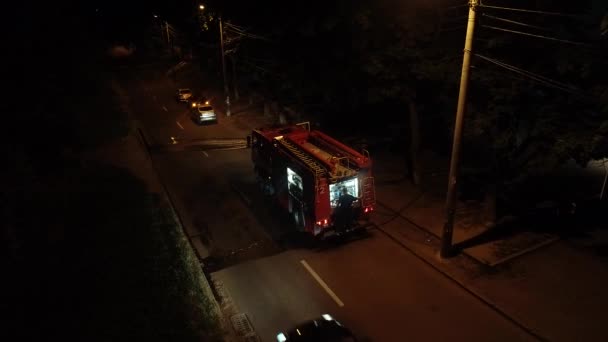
{"x":424,"y":207}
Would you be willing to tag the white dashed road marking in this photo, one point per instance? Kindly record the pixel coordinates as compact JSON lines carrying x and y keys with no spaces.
{"x":322,"y":283}
{"x":206,"y":154}
{"x":180,"y":125}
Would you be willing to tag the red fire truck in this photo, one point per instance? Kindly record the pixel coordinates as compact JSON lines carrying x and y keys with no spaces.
{"x":307,"y":171}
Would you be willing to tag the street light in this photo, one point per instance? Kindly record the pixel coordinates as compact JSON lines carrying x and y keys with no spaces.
{"x":201,"y":7}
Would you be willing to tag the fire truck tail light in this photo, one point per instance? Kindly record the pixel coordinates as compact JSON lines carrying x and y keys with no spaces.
{"x":322,"y":223}
{"x":368,"y":209}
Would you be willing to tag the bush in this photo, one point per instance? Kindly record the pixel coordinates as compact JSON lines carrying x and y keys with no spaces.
{"x":108,"y":261}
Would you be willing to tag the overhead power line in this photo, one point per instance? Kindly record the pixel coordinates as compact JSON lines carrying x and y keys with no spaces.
{"x":525,"y":72}
{"x":236,"y":27}
{"x":537,"y":36}
{"x":254,"y":65}
{"x":454,"y":7}
{"x":514,"y":22}
{"x":536,"y":77}
{"x":532,"y":11}
{"x":240,"y":31}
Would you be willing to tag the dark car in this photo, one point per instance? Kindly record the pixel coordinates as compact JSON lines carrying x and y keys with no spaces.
{"x":322,"y":329}
{"x":195,"y":101}
{"x":183,"y":95}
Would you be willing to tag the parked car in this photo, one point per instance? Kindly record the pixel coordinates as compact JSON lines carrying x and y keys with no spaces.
{"x":322,"y":329}
{"x":203,"y":113}
{"x":183,"y":95}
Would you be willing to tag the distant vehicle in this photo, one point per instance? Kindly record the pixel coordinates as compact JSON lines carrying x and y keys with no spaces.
{"x":183,"y":95}
{"x":203,"y":113}
{"x":194,"y":101}
{"x":322,"y":329}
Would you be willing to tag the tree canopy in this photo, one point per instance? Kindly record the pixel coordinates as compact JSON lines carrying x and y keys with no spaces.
{"x":538,"y":90}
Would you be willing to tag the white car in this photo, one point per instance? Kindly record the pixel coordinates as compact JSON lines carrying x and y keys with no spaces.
{"x":203,"y":113}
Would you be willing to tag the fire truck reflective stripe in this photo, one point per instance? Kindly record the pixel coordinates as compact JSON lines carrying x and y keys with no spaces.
{"x":322,"y":283}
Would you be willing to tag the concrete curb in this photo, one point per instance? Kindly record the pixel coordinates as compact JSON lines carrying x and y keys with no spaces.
{"x":464,"y":252}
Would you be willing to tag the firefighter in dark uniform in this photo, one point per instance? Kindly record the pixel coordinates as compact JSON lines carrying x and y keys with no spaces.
{"x":344,"y":212}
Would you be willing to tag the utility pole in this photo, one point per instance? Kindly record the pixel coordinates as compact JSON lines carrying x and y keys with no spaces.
{"x":450,"y":203}
{"x":605,"y":163}
{"x":224,"y":68}
{"x":234,"y":82}
{"x":168,"y":35}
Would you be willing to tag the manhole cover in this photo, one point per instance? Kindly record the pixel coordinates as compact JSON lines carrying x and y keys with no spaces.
{"x":241,"y":324}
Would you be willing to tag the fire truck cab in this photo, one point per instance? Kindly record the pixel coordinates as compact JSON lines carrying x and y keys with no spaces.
{"x":306,"y":171}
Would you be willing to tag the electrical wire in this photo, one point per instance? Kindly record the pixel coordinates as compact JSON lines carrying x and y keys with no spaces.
{"x":526,"y":73}
{"x":501,"y":73}
{"x":531,"y":11}
{"x":454,"y":7}
{"x":235,"y":26}
{"x":245,"y":34}
{"x":537,"y":78}
{"x":514,"y":22}
{"x":247,"y":61}
{"x":537,"y":36}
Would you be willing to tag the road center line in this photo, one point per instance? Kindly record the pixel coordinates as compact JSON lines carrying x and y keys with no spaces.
{"x":180,"y":125}
{"x":165,"y":109}
{"x":206,"y":154}
{"x":322,"y":283}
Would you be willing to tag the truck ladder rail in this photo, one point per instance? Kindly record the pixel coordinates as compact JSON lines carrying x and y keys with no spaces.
{"x":308,"y":160}
{"x":359,"y":158}
{"x":369,"y":193}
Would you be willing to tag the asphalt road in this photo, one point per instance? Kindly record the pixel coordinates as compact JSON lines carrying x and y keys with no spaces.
{"x":373,"y":285}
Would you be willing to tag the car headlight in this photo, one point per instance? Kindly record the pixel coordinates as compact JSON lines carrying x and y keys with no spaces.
{"x":327,"y":317}
{"x":281,"y":337}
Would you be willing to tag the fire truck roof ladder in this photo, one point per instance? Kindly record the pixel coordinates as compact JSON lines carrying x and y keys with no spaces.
{"x":317,"y":168}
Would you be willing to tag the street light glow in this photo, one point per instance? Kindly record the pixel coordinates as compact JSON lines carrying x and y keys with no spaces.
{"x":201,"y":7}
